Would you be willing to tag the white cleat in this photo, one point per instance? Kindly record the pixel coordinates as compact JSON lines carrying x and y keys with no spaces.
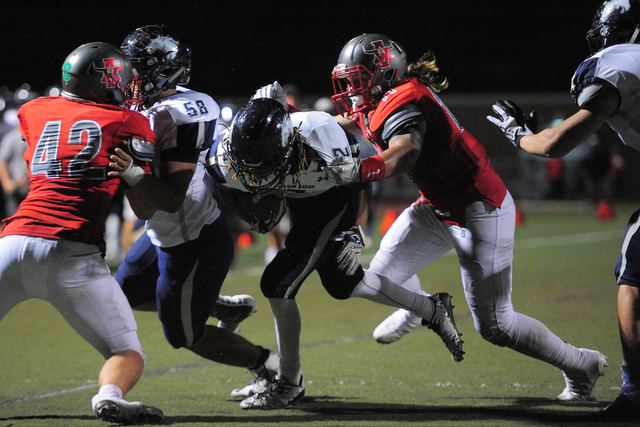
{"x":257,"y":386}
{"x":263,"y":379}
{"x":396,"y":326}
{"x":232,"y":310}
{"x":579,"y":384}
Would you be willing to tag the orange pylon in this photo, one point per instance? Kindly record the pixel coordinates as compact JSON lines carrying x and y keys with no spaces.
{"x":388,"y":218}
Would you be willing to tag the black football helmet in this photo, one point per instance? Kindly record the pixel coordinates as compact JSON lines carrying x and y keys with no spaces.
{"x":102,"y":73}
{"x":615,"y":22}
{"x":162,"y":61}
{"x":368,"y":65}
{"x":260,"y":144}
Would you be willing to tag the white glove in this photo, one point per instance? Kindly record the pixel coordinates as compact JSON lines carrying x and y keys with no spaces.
{"x":343,"y":170}
{"x":272,"y":91}
{"x":512,"y":121}
{"x":348,"y":257}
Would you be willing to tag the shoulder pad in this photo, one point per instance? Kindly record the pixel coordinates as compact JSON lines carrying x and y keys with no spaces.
{"x":142,"y":150}
{"x":592,"y":91}
{"x":405,"y":116}
{"x":588,"y":93}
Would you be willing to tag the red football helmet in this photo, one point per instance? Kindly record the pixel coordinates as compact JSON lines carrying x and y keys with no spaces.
{"x":368,"y":65}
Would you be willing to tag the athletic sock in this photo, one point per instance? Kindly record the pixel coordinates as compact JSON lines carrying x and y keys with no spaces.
{"x":107,"y":392}
{"x":288,"y":328}
{"x":380,"y":289}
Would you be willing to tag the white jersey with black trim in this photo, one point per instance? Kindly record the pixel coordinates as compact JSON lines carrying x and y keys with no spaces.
{"x":619,"y":66}
{"x":320,"y":132}
{"x":185,"y":125}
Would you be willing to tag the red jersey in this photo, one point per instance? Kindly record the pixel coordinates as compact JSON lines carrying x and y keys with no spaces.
{"x":68,"y":149}
{"x":453,"y":169}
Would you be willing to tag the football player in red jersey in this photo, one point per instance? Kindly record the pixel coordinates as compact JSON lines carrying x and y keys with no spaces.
{"x":463,"y":205}
{"x":52,"y":247}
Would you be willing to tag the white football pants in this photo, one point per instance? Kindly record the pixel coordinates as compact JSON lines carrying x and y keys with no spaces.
{"x":75,"y":279}
{"x":485,"y":251}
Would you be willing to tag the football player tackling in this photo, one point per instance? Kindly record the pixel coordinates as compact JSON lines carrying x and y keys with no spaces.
{"x":463,"y":206}
{"x":52,"y":247}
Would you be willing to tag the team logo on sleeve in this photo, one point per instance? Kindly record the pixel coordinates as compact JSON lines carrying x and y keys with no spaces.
{"x":110,"y":72}
{"x":381,"y":53}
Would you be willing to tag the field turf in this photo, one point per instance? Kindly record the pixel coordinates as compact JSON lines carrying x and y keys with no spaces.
{"x":563,"y":276}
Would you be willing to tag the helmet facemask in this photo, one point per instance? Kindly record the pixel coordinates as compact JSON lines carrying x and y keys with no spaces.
{"x":133,"y":94}
{"x":353,"y":90}
{"x":260,"y":180}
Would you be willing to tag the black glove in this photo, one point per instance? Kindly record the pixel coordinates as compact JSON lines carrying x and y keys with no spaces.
{"x":512,"y":121}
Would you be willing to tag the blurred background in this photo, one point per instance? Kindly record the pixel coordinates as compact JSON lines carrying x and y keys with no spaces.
{"x":522,"y":50}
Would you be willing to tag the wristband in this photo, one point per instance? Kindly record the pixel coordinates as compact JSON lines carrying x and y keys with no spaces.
{"x":372,"y":169}
{"x":132,"y":174}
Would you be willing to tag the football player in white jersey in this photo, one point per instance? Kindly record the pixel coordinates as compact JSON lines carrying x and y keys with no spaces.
{"x":268,"y":152}
{"x":606,"y":88}
{"x":179,"y":264}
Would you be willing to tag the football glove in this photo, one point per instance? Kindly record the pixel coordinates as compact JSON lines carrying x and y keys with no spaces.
{"x":348,"y":257}
{"x":512,"y":121}
{"x":272,"y":91}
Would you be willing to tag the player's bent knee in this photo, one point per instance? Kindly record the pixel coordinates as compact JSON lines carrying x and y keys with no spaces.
{"x":340,"y":293}
{"x":494,"y":335}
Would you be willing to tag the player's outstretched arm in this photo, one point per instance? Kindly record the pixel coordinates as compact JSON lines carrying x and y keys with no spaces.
{"x":561,"y":139}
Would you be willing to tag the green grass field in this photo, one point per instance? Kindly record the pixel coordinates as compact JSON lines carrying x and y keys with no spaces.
{"x":563,"y":276}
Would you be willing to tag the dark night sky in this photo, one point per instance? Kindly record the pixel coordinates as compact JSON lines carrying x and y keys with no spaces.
{"x":482,"y":46}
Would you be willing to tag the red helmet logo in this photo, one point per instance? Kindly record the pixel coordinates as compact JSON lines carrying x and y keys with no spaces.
{"x":381,"y":53}
{"x":110,"y":75}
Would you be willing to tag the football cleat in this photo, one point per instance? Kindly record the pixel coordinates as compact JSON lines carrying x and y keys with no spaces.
{"x":257,"y":386}
{"x":263,"y":379}
{"x":443,"y":324}
{"x":394,"y":327}
{"x":622,"y":409}
{"x":232,"y":310}
{"x":123,"y":412}
{"x":579,"y":384}
{"x":277,"y":396}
